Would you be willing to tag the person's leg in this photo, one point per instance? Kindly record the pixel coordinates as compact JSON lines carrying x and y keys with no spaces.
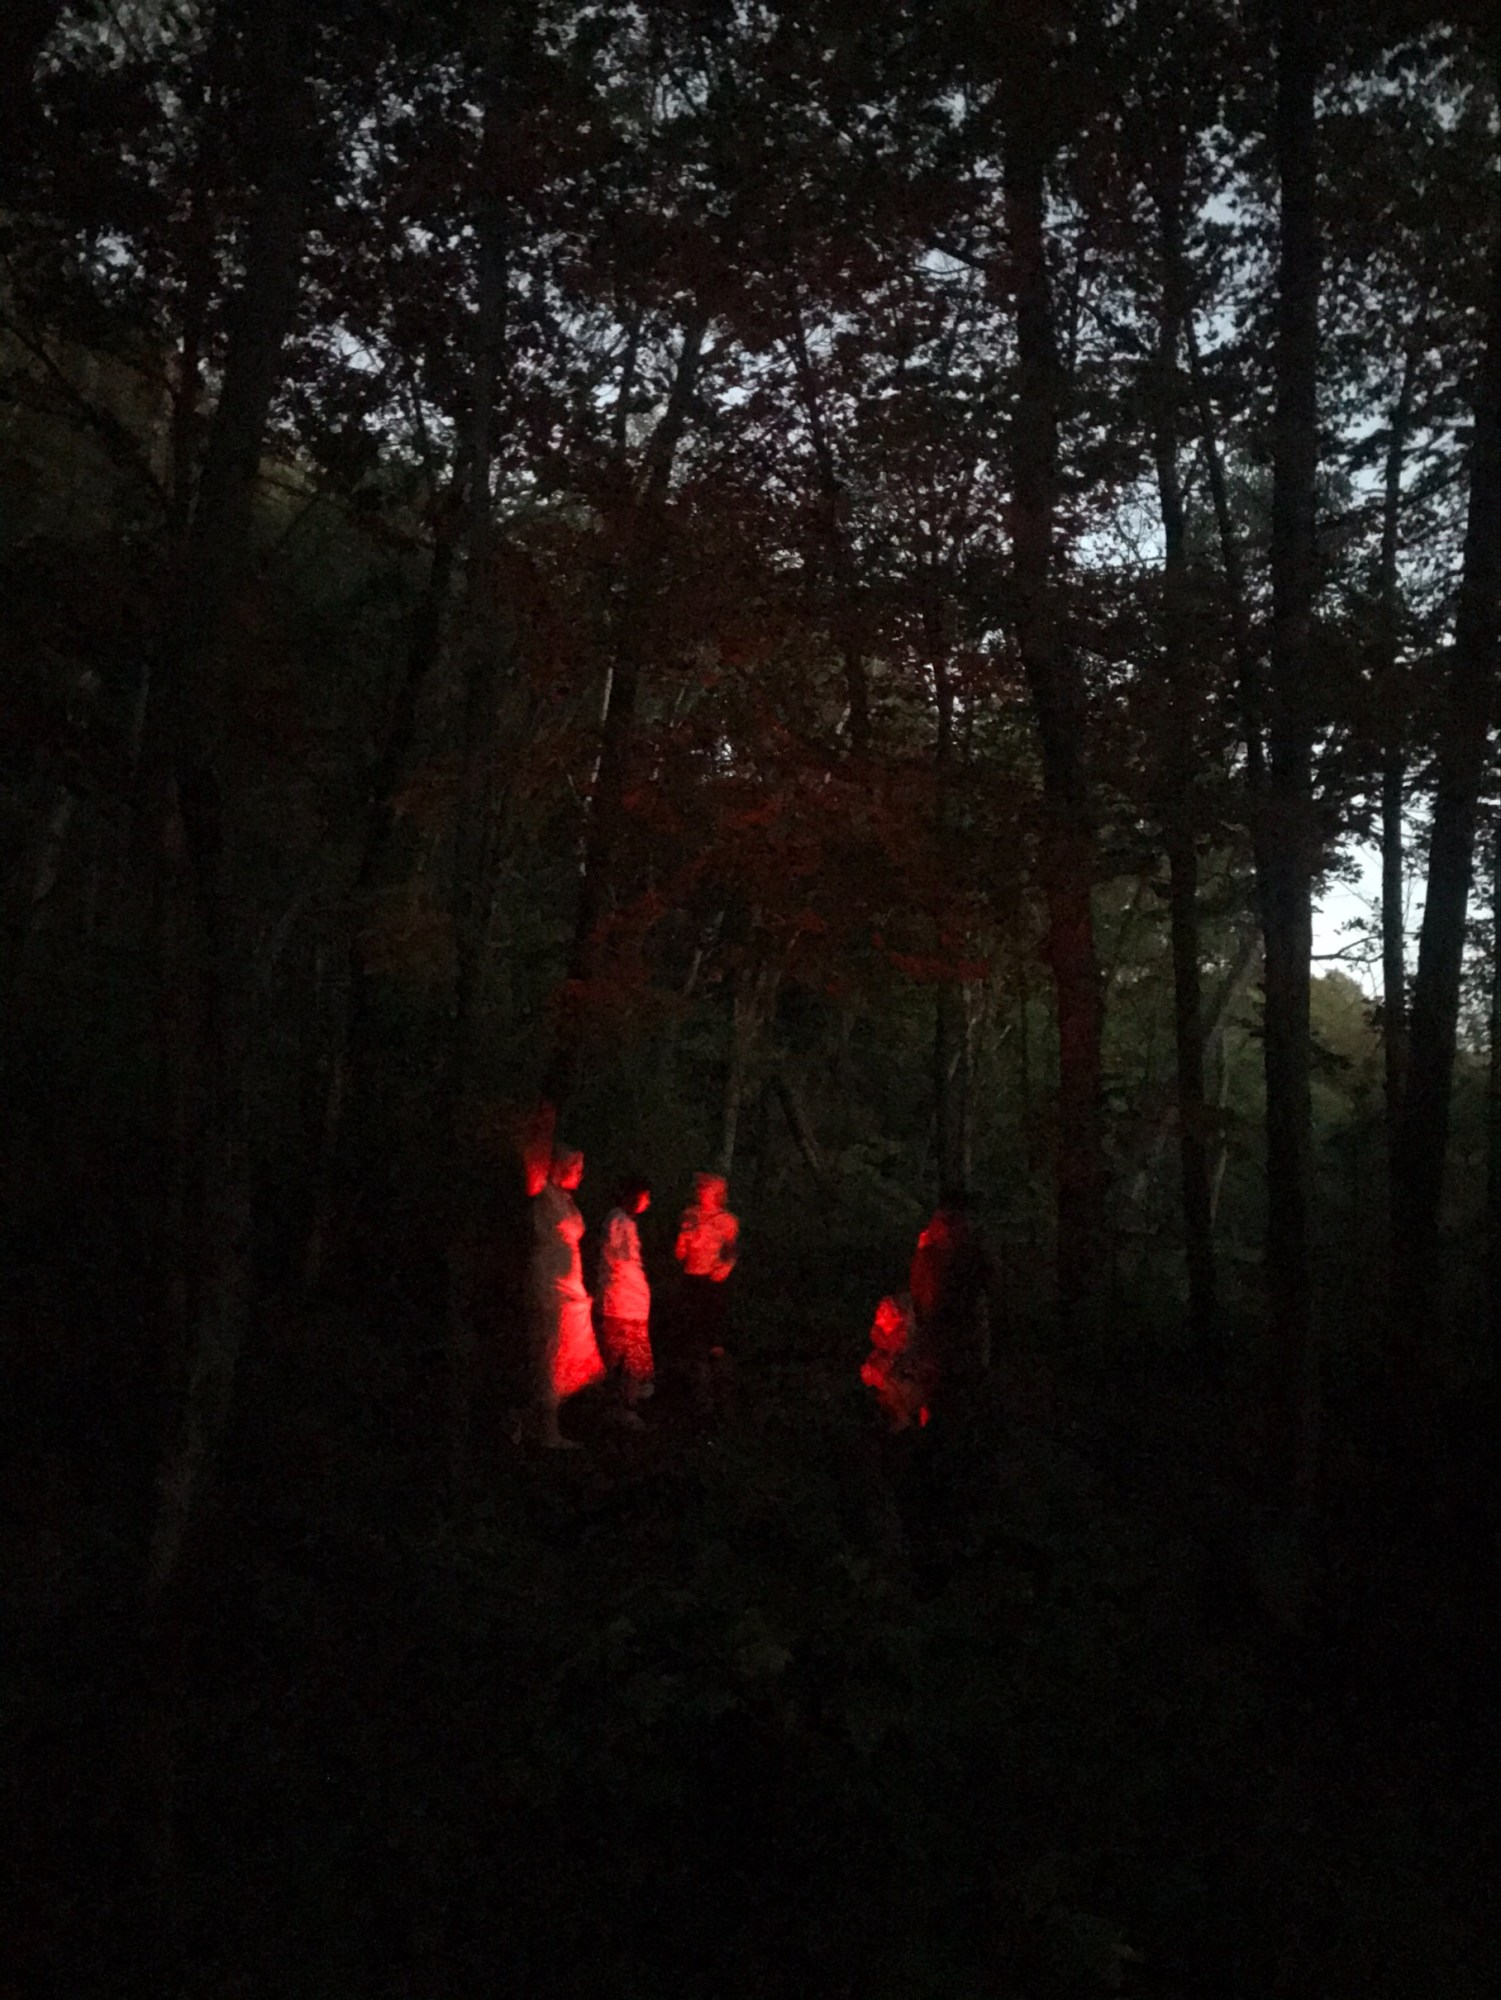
{"x":635,"y":1361}
{"x":720,"y":1366}
{"x":699,"y":1326}
{"x":620,"y":1340}
{"x":546,"y":1335}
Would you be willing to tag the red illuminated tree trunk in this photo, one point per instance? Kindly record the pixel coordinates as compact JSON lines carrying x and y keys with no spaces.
{"x":1468,"y":712}
{"x":643,"y":525}
{"x":1288,"y":836}
{"x":1067,"y":846}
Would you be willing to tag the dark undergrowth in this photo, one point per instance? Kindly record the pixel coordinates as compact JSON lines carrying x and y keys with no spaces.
{"x":1035,"y":1710}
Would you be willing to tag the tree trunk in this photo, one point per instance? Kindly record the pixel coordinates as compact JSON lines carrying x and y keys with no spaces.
{"x":751,"y":1007}
{"x":1067,"y":855}
{"x":831,"y":503}
{"x":1493,"y":1121}
{"x":203,"y":964}
{"x":645,"y":521}
{"x":951,"y":1085}
{"x":1177,"y":803}
{"x":471,"y":881}
{"x":1249,"y":689}
{"x":801,"y":1130}
{"x":1393,"y":948}
{"x":950,"y":1016}
{"x":1288,"y":832}
{"x":349,"y":1081}
{"x":1469,"y":709}
{"x":1393,"y":763}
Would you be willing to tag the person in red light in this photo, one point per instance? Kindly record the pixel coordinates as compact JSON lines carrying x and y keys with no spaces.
{"x":707,"y":1247}
{"x":565,"y":1357}
{"x":625,"y":1300}
{"x":956,"y":1296}
{"x":891,"y":1370}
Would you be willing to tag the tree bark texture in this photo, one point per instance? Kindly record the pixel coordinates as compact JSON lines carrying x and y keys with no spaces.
{"x":1055,"y":684}
{"x":1468,"y":713}
{"x":1288,"y":831}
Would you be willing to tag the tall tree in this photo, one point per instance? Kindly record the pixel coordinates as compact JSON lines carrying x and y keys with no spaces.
{"x":1067,"y":861}
{"x":1469,"y":710}
{"x":1179,"y":765}
{"x":1288,"y":835}
{"x":203,"y":967}
{"x":641,"y":526}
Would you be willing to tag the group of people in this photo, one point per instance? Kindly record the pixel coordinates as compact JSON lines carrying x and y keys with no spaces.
{"x":576,"y":1340}
{"x":927,"y":1343}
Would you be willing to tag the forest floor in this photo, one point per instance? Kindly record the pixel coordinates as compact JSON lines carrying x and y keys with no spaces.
{"x":780,"y":1707}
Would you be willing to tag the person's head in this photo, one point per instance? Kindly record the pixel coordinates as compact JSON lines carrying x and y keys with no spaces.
{"x":956,"y":1201}
{"x":710,"y":1190}
{"x":567,"y":1168}
{"x":634,"y":1195}
{"x":893,"y":1322}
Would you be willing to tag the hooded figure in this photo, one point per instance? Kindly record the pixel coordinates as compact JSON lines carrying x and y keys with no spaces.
{"x":564,"y":1355}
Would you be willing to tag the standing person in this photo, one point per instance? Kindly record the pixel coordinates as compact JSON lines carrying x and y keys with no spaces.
{"x":625,"y":1300}
{"x":956,"y":1296}
{"x":565,"y":1357}
{"x":707,"y":1247}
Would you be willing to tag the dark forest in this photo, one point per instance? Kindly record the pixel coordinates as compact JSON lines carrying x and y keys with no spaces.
{"x":894,"y":611}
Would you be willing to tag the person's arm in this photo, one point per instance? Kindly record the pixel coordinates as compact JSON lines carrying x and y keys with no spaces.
{"x":729,"y":1249}
{"x":610,"y":1248}
{"x":685,"y":1235}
